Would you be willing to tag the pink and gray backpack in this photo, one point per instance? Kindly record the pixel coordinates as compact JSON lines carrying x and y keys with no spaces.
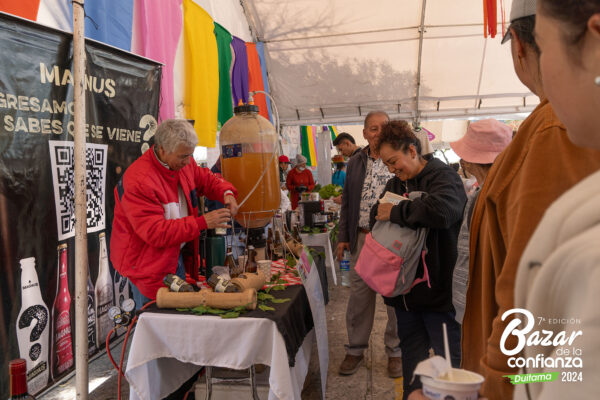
{"x":389,"y":259}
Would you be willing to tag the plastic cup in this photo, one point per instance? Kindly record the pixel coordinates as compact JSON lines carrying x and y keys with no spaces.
{"x":464,"y":386}
{"x":265,"y":267}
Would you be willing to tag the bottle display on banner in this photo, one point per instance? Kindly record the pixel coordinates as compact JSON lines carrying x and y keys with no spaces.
{"x":17,"y":375}
{"x":121,"y":289}
{"x":33,"y":328}
{"x":91,"y":329}
{"x":104,"y":294}
{"x":61,"y":316}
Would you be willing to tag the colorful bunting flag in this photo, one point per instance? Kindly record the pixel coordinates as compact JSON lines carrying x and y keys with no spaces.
{"x":334,"y":132}
{"x":260,"y":48}
{"x":109,"y":21}
{"x":224,"y":46}
{"x":308,"y":136}
{"x":159,"y":26}
{"x":201,"y":72}
{"x":22,"y":8}
{"x":239,"y":74}
{"x":255,"y":79}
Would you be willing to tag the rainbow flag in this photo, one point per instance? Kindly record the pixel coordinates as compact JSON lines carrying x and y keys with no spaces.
{"x":334,"y":132}
{"x":308,"y":136}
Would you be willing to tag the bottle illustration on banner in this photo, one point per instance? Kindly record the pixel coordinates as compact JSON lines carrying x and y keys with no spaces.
{"x":33,"y":328}
{"x":121,"y":294}
{"x":121,"y":289}
{"x":104,"y":294}
{"x":91,"y":330}
{"x":62,"y":357}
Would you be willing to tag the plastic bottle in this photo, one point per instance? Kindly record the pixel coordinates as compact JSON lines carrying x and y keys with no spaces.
{"x":345,"y":269}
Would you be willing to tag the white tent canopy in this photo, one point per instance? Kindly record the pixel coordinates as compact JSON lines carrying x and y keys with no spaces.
{"x":333,"y":61}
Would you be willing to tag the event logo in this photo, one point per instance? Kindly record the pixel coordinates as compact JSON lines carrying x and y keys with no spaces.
{"x":543,"y":349}
{"x":65,"y":77}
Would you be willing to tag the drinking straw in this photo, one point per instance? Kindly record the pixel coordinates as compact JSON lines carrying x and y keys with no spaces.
{"x":447,"y":351}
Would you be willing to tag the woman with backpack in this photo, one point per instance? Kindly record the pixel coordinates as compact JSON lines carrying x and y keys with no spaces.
{"x":422,"y":311}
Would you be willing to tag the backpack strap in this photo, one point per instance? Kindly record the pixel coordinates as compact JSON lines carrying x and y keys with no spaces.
{"x":425,"y":277}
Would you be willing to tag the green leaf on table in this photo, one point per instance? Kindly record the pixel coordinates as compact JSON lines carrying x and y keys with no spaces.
{"x":291,"y":261}
{"x":265,"y":307}
{"x":280,"y":281}
{"x":275,"y":277}
{"x":199,"y":310}
{"x":279,"y":301}
{"x":230,"y":314}
{"x":278,"y":287}
{"x":240,"y":308}
{"x":315,"y":230}
{"x":215,"y":311}
{"x":264,"y":296}
{"x":182,"y":309}
{"x":267,"y":290}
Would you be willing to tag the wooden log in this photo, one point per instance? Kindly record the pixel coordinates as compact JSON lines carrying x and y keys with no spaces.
{"x":250,"y":280}
{"x":168,"y":299}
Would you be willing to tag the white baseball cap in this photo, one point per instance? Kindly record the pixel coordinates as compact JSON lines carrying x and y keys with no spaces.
{"x":519,"y":9}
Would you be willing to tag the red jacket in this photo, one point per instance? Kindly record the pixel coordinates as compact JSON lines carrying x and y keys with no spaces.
{"x":147,"y":230}
{"x":295,"y":179}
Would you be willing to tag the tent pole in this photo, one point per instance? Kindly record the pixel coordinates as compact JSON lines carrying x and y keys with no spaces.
{"x":81,"y":254}
{"x":417,"y":117}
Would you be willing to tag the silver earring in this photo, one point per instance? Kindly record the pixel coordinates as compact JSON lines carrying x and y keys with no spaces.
{"x":597,"y":81}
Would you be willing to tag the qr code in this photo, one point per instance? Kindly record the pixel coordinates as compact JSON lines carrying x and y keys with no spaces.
{"x":61,"y":159}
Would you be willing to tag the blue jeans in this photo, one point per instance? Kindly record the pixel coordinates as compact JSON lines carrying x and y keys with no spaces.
{"x":418,"y":332}
{"x":140,"y":299}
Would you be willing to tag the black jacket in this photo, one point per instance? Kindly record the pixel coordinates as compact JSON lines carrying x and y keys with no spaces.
{"x":351,"y":195}
{"x":441,"y":210}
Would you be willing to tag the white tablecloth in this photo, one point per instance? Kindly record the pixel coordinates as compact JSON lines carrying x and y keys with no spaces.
{"x":167,"y":349}
{"x":321,"y":239}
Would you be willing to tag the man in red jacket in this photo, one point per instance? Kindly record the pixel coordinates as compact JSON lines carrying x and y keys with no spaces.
{"x":156,"y":224}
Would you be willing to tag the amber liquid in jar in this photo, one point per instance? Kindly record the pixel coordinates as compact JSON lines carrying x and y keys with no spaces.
{"x":243,"y":172}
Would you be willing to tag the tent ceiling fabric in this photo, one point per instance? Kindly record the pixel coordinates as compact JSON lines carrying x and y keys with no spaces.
{"x":333,"y":61}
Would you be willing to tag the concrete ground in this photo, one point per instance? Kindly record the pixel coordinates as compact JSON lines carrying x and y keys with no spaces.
{"x":369,"y":382}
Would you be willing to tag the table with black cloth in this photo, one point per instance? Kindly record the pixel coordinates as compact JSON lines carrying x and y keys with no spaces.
{"x":169,"y":346}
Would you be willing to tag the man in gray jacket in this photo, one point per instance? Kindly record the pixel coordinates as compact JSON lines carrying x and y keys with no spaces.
{"x":366,"y":177}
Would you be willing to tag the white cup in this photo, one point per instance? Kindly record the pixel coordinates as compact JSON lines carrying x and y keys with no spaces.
{"x":265,"y":267}
{"x":464,"y":386}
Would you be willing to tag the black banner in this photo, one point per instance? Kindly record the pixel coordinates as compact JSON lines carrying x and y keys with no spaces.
{"x":37,"y":191}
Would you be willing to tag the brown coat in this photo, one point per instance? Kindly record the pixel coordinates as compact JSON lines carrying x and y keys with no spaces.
{"x":535,"y":169}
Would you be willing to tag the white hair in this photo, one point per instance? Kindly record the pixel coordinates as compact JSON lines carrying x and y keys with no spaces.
{"x":173,"y":132}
